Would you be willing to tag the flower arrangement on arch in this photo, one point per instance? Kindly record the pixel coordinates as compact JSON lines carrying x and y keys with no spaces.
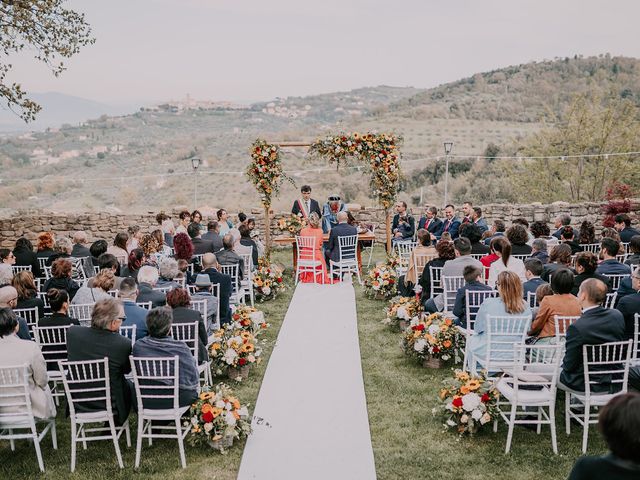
{"x":267,"y":280}
{"x":382,"y":280}
{"x":433,"y":336}
{"x":292,"y":224}
{"x":467,"y":402}
{"x":402,"y":309}
{"x":246,"y":317}
{"x":217,"y":414}
{"x":233,"y":348}
{"x":266,"y":171}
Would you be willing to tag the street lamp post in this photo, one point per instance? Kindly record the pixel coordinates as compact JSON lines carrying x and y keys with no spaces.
{"x":195,"y":163}
{"x":447,"y":150}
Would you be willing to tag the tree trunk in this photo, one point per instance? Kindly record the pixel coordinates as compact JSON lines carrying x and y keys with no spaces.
{"x":267,"y":232}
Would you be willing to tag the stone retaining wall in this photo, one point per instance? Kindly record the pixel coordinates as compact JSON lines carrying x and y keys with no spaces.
{"x":107,"y":225}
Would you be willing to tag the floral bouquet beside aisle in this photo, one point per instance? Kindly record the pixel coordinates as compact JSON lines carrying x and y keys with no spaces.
{"x":267,"y":280}
{"x":433,"y":336}
{"x":468,"y":402}
{"x":246,"y":317}
{"x":217,"y":418}
{"x":381,"y":282}
{"x":233,"y":350}
{"x":401,"y":311}
{"x":292,"y":224}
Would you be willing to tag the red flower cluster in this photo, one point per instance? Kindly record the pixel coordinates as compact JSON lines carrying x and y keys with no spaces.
{"x":419,"y":327}
{"x":457,"y":402}
{"x":242,"y":362}
{"x":485,"y":398}
{"x":207,"y":417}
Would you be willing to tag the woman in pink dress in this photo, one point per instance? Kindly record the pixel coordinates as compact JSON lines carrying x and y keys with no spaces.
{"x":313,"y":229}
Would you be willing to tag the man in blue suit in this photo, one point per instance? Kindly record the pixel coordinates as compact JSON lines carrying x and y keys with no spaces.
{"x":342,"y":229}
{"x":472,"y":276}
{"x":611,"y":266}
{"x":533,"y":268}
{"x":451,"y":224}
{"x":209,"y":267}
{"x":431,"y":223}
{"x":623,"y":226}
{"x":134,"y":314}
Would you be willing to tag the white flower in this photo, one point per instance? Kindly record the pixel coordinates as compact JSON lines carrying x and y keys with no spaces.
{"x":208,"y":427}
{"x":485,"y":418}
{"x":194,"y":420}
{"x":228,"y":406}
{"x":464,"y":418}
{"x":420,"y":345}
{"x":256,"y":317}
{"x":445,"y":357}
{"x":476,"y":414}
{"x":470,"y":401}
{"x":401,"y":313}
{"x":243,"y":412}
{"x":230,"y":355}
{"x":376,"y":287}
{"x":230,"y":419}
{"x":451,"y":423}
{"x":220,"y":404}
{"x":434,"y":329}
{"x":266,"y":290}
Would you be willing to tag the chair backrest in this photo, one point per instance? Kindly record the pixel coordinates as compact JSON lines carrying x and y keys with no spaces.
{"x":129,"y":331}
{"x":404,"y":250}
{"x":502,"y":333}
{"x":622,"y":257}
{"x":532,"y":301}
{"x":42,"y":262}
{"x":145,"y":305}
{"x":96,"y":270}
{"x":45,"y":300}
{"x":53,"y":344}
{"x":247,"y":262}
{"x":305,"y":248}
{"x":451,"y":284}
{"x":30,"y":316}
{"x":420,"y":261}
{"x":20,"y":268}
{"x":15,"y":400}
{"x":626,"y":246}
{"x":561,"y":323}
{"x":156,"y":379}
{"x":115,"y":293}
{"x":522,"y":257}
{"x":87,"y":382}
{"x":636,"y":337}
{"x":610,"y":301}
{"x":436,"y":285}
{"x":615,"y":280}
{"x":347,"y":246}
{"x":78,"y":267}
{"x":163,"y":289}
{"x":608,"y":362}
{"x":232,"y":271}
{"x":473,"y":300}
{"x":82,"y":312}
{"x":478,"y":256}
{"x":200,"y":305}
{"x":590,"y":247}
{"x":187,"y":333}
{"x":47,"y":271}
{"x":541,"y":360}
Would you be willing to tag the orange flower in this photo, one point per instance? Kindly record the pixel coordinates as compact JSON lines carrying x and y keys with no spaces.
{"x":447,"y":322}
{"x":207,"y":407}
{"x":446,"y":344}
{"x":216,"y":411}
{"x":464,"y":390}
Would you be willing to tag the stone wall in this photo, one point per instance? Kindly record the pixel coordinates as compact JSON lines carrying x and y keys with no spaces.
{"x":107,"y":225}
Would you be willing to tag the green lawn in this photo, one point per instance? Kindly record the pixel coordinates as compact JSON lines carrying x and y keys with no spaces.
{"x":408,"y":442}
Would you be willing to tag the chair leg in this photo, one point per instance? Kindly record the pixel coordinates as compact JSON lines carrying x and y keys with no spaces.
{"x":567,"y":413}
{"x":585,"y":427}
{"x":127,"y":434}
{"x":116,"y":445}
{"x":12,"y":442}
{"x":139,"y":441}
{"x":539,"y":426}
{"x":183,"y":460}
{"x":74,"y":444}
{"x":54,"y":435}
{"x":512,"y":422}
{"x":552,"y":425}
{"x":36,"y":444}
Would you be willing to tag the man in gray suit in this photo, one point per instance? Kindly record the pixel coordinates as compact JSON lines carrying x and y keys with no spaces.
{"x":213,"y":234}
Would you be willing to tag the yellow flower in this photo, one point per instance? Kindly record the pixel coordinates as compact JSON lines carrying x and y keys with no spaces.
{"x":473,"y":384}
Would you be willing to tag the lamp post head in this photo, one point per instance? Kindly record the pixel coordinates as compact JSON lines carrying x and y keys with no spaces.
{"x":195,"y":162}
{"x":447,"y":147}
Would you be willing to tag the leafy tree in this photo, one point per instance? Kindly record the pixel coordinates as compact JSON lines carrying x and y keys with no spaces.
{"x":45,"y":26}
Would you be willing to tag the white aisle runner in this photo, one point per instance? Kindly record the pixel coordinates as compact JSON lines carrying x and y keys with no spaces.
{"x":310,"y":420}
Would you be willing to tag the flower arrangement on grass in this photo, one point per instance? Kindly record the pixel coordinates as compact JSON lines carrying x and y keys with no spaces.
{"x":233,"y":351}
{"x":433,"y":336}
{"x":217,"y":418}
{"x":467,"y":402}
{"x":292,"y":224}
{"x":267,"y":280}
{"x":246,"y":317}
{"x":401,"y":311}
{"x":381,"y":282}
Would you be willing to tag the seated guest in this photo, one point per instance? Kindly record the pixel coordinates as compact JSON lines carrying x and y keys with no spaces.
{"x":450,"y":224}
{"x":101,"y":340}
{"x":183,"y":247}
{"x":487,"y":260}
{"x":203,"y":286}
{"x":162,"y":248}
{"x":152,"y":247}
{"x":135,"y":261}
{"x":609,"y":265}
{"x":102,"y":283}
{"x":119,"y":247}
{"x":502,"y":248}
{"x":541,"y":230}
{"x":629,"y":305}
{"x":596,"y":326}
{"x":566,"y":237}
{"x":160,"y":343}
{"x":61,"y":277}
{"x":430,"y":222}
{"x":247,"y":241}
{"x":518,"y":237}
{"x":587,"y":235}
{"x":561,"y":221}
{"x":542,"y":291}
{"x":9,"y":299}
{"x":110,"y":262}
{"x":255,"y":236}
{"x":210,"y":267}
{"x":407,"y":281}
{"x":7,"y":257}
{"x":16,"y":351}
{"x":96,"y":249}
{"x":560,"y":258}
{"x":228,"y":257}
{"x":473,"y":282}
{"x":147,"y":280}
{"x":59,"y":302}
{"x":184,"y":271}
{"x":180,"y":301}
{"x":135,"y":235}
{"x":478,"y":220}
{"x":196,"y":217}
{"x":44,"y":247}
{"x":467,"y":210}
{"x":474,"y":234}
{"x":342,"y":229}
{"x":623,"y":226}
{"x":166,"y":228}
{"x":497,"y":230}
{"x":200,"y":245}
{"x":213,"y":234}
{"x":184,"y":218}
{"x":561,"y":303}
{"x":6,"y":274}
{"x":27,"y":292}
{"x":25,"y":256}
{"x":509,"y":303}
{"x":79,"y":248}
{"x":619,"y":423}
{"x":238,"y":247}
{"x":523,"y":221}
{"x":532,"y":270}
{"x":168,"y":271}
{"x":445,"y":252}
{"x":224,"y":223}
{"x":539,"y":250}
{"x":634,"y":251}
{"x":586,"y":264}
{"x":134,"y":315}
{"x":403,"y":226}
{"x":62,"y":249}
{"x":611,"y":233}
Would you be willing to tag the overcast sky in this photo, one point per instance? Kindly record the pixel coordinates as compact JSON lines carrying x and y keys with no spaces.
{"x":247,"y":50}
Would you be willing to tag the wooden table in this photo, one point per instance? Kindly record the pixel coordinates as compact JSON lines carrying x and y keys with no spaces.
{"x":362,"y":237}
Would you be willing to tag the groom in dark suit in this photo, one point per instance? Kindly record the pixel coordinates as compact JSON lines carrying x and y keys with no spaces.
{"x":342,"y":229}
{"x":305,"y":205}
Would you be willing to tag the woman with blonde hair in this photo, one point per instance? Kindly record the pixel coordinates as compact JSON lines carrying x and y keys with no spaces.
{"x":407,"y":282}
{"x":102,"y":283}
{"x":314,"y":230}
{"x":510,"y":303}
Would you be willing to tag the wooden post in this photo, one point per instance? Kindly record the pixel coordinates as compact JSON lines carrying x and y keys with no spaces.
{"x":267,"y":231}
{"x":388,"y":220}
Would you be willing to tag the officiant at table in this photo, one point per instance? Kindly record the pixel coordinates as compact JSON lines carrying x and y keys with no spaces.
{"x":306,"y":205}
{"x":330,"y":212}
